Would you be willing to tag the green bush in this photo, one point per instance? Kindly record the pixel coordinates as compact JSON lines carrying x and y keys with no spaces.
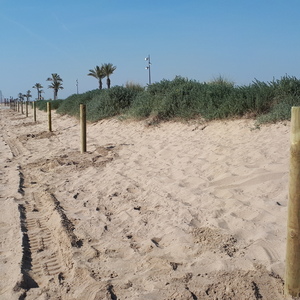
{"x":42,"y":104}
{"x":110,"y":102}
{"x":71,"y":105}
{"x":186,"y":99}
{"x":280,"y":111}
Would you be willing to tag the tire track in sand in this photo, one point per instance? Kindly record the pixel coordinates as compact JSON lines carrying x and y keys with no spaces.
{"x":48,"y":235}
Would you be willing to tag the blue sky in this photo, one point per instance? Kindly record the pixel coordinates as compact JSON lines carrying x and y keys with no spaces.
{"x":198,"y":39}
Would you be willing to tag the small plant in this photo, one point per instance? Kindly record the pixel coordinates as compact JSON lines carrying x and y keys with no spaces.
{"x":221,"y":80}
{"x":134,"y":86}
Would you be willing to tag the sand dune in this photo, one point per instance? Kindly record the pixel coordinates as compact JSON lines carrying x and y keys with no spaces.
{"x":172,"y":211}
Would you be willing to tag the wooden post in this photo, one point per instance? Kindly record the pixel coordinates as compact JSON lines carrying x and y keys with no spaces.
{"x":22,"y":108}
{"x":18,"y":107}
{"x":34,"y":111}
{"x":26,"y":108}
{"x":292,"y":270}
{"x":49,"y":116}
{"x":83,"y":127}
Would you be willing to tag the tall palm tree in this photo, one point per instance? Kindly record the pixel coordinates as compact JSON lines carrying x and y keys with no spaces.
{"x":108,"y":70}
{"x":38,"y":86}
{"x":56,"y":84}
{"x":27,"y":95}
{"x":98,"y":74}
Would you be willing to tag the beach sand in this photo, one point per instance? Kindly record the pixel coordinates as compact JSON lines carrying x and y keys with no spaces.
{"x":168,"y":211}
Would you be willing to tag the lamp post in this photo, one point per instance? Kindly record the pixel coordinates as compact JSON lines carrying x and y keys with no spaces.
{"x":77,"y":85}
{"x":148,"y":67}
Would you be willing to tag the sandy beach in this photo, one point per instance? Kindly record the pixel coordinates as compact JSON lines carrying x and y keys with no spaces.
{"x":169,"y":211}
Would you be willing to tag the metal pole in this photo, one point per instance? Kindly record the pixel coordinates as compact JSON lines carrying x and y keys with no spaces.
{"x":149,"y":67}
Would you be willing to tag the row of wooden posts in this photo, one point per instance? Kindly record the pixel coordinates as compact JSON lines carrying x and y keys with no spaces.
{"x":292,"y":272}
{"x":19,"y":107}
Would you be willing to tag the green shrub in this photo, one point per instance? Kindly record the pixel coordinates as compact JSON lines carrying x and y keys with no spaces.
{"x":280,"y":111}
{"x":42,"y":104}
{"x":143,"y":105}
{"x":134,"y":86}
{"x":110,"y":102}
{"x":71,"y":105}
{"x":186,"y":99}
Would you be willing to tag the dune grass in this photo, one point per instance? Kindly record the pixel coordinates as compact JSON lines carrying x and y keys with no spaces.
{"x":182,"y":98}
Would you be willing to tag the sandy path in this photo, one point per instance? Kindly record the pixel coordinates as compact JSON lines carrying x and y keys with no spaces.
{"x":175,"y":211}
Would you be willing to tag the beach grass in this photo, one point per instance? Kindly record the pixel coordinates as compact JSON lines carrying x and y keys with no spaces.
{"x":182,"y":98}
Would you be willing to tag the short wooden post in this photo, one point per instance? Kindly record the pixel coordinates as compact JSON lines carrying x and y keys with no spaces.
{"x":26,"y":108}
{"x":83,"y":127}
{"x":22,"y":108}
{"x":292,"y":272}
{"x":34,"y":111}
{"x":49,"y":116}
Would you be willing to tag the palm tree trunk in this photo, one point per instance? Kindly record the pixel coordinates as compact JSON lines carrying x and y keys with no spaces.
{"x":108,"y":82}
{"x":100,"y":84}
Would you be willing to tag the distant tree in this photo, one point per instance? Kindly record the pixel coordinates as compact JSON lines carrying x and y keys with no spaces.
{"x":27,"y":95}
{"x":97,"y":73}
{"x":56,"y":84}
{"x":41,"y":97}
{"x":38,"y":86}
{"x":108,"y":70}
{"x":21,"y":96}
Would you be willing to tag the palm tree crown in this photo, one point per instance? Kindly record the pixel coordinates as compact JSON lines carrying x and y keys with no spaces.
{"x":108,"y":70}
{"x":56,"y":84}
{"x":98,"y":74}
{"x":28,"y":95}
{"x":38,"y":86}
{"x":21,"y":96}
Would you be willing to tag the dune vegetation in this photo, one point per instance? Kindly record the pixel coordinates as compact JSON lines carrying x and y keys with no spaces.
{"x":186,"y":99}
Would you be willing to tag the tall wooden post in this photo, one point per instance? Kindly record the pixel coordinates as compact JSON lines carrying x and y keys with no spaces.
{"x":34,"y":111}
{"x":292,"y":272}
{"x":83,"y":127}
{"x":49,"y":116}
{"x":26,"y":108}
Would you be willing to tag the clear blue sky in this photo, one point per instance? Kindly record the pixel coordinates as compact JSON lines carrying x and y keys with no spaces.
{"x":198,"y":39}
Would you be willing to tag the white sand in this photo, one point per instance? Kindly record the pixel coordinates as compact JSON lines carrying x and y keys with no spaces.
{"x":174,"y":211}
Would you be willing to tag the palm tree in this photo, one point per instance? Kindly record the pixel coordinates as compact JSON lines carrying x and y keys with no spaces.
{"x":108,"y":70}
{"x":56,"y":84}
{"x":98,"y":74}
{"x":21,"y":96}
{"x":38,"y":86}
{"x":28,"y":95}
